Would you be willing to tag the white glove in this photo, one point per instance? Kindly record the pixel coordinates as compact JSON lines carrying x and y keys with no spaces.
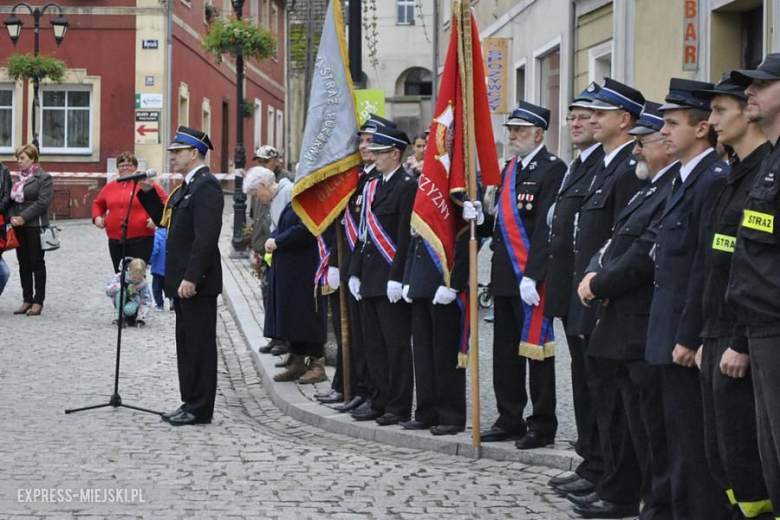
{"x":333,"y":278}
{"x":444,"y":296}
{"x":405,"y":294}
{"x":473,"y":211}
{"x":354,"y":287}
{"x":528,"y":291}
{"x":395,"y":291}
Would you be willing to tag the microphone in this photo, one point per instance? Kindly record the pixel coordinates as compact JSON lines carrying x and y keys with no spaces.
{"x":138,"y":176}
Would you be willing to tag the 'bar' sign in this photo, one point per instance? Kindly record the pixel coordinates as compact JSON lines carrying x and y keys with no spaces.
{"x":691,"y":35}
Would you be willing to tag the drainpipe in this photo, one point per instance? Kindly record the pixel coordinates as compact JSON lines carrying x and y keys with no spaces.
{"x":167,"y":125}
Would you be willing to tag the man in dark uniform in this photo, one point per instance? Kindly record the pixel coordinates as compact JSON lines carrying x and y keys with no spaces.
{"x":193,"y":271}
{"x":615,"y":111}
{"x":376,"y":275}
{"x":537,"y":175}
{"x":726,"y":383}
{"x":350,"y":220}
{"x":674,"y":331}
{"x":754,"y":284}
{"x":621,"y":277}
{"x":560,"y":268}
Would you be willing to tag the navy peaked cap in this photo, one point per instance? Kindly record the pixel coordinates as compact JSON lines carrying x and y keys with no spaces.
{"x":681,"y":94}
{"x":615,"y":95}
{"x":528,"y":114}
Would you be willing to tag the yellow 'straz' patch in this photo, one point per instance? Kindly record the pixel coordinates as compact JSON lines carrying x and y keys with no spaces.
{"x":759,"y":221}
{"x":723,"y":243}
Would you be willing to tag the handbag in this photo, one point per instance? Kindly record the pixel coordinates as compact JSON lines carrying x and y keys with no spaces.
{"x":11,"y":241}
{"x":50,"y":238}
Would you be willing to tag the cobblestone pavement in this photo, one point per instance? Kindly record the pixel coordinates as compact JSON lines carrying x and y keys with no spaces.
{"x":252,"y":462}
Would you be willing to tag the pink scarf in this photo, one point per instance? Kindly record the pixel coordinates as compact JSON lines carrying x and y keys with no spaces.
{"x":17,"y":190}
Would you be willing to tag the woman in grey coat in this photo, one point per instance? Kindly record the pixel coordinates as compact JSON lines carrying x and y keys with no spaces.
{"x":31,"y":198}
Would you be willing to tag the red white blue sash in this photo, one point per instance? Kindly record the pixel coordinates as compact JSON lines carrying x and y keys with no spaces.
{"x":537,"y":340}
{"x":350,"y":229}
{"x":378,"y":234}
{"x":320,"y":278}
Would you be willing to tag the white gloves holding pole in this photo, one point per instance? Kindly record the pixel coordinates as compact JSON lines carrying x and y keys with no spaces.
{"x":473,"y":211}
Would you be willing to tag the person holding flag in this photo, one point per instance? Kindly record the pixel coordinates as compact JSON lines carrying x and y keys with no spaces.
{"x":520,"y":247}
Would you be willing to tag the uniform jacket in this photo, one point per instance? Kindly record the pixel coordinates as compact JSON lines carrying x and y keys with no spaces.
{"x":112,"y":203}
{"x":540,"y":181}
{"x":624,"y":279}
{"x":560,"y":260}
{"x":392,"y":206}
{"x":192,"y":250}
{"x":754,"y":284}
{"x":676,"y":312}
{"x":38,"y":196}
{"x":611,"y":189}
{"x":721,"y":230}
{"x":423,"y":277}
{"x":293,"y":312}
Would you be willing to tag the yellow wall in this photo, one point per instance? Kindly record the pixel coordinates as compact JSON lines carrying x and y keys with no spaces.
{"x":592,"y":29}
{"x":151,"y":63}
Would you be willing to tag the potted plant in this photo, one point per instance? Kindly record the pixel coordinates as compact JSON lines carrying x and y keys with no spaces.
{"x":211,"y":12}
{"x":247,"y":108}
{"x":238,"y":37}
{"x":28,"y":67}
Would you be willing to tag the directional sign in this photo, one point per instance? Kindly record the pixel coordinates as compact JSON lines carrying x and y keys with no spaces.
{"x":147,"y":127}
{"x":146,"y":101}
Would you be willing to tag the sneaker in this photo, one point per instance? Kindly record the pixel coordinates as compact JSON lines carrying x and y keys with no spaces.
{"x":140,"y":324}
{"x":159,"y":308}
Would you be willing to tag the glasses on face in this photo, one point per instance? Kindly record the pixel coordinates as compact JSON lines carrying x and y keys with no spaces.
{"x":126,"y":166}
{"x":381,"y":152}
{"x":582,"y":118}
{"x":641,"y":144}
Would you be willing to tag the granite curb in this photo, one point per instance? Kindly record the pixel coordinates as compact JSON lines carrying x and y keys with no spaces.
{"x":292,"y":401}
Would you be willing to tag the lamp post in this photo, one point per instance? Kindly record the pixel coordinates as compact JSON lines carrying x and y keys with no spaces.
{"x":239,"y":197}
{"x":14,"y":26}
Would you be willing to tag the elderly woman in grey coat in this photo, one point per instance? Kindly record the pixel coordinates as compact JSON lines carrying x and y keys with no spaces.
{"x":31,"y":198}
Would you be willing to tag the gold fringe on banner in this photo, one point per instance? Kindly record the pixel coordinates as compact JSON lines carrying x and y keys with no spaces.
{"x":463,"y":360}
{"x":537,"y":352}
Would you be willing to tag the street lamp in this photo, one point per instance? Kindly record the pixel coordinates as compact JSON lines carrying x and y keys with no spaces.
{"x":14,"y":26}
{"x":239,"y":197}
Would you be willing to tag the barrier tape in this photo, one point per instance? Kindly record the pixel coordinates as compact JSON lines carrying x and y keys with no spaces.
{"x":103,"y":175}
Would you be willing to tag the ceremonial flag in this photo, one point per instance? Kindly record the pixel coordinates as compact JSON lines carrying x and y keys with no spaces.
{"x":443,"y":179}
{"x":327,"y":172}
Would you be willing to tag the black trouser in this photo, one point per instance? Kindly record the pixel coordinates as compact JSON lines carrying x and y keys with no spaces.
{"x":32,"y":266}
{"x":307,"y":348}
{"x":588,"y":445}
{"x":196,"y":353}
{"x":765,"y":365}
{"x":357,"y":355}
{"x":440,"y":384}
{"x":695,"y":494}
{"x":139,"y":247}
{"x":730,"y":434}
{"x":509,"y":369}
{"x":388,"y":340}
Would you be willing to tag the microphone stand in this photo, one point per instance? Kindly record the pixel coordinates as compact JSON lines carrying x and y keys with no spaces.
{"x":116,"y":399}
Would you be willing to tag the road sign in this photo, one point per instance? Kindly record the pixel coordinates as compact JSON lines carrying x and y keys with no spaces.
{"x":147,"y":127}
{"x":150,"y":44}
{"x":145,"y":101}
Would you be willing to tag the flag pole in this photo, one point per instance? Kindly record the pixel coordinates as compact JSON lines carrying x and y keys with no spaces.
{"x":343,"y":295}
{"x":471,"y":178}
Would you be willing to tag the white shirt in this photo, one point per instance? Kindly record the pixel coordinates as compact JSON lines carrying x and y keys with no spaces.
{"x":686,"y":169}
{"x":661,"y":173}
{"x":586,"y":153}
{"x":386,"y":178}
{"x":613,"y":153}
{"x":191,"y":173}
{"x":528,"y":158}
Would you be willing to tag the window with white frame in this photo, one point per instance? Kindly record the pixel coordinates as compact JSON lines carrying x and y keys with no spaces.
{"x":258,"y":123}
{"x":600,"y":62}
{"x":279,"y":130}
{"x":6,"y":118}
{"x":206,"y":116}
{"x":550,"y":93}
{"x":265,"y":15}
{"x":520,"y":88}
{"x":274,"y":19}
{"x":269,"y":126}
{"x":254,"y":10}
{"x":66,"y":119}
{"x":184,"y":105}
{"x":405,"y":10}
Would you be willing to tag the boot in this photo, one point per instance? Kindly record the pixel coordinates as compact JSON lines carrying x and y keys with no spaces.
{"x":296,"y":369}
{"x":316,"y":372}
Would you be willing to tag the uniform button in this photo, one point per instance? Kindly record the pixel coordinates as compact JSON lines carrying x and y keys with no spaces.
{"x":679,"y":223}
{"x":555,"y":217}
{"x":661,"y":226}
{"x":552,"y":256}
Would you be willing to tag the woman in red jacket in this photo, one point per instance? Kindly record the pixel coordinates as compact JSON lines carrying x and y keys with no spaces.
{"x":110,"y":209}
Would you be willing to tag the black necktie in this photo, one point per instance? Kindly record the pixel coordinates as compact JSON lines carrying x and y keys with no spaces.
{"x":576,"y":164}
{"x":677,"y":181}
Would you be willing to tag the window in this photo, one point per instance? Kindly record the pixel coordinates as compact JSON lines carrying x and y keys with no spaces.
{"x":600,"y":62}
{"x":6,"y":118}
{"x":269,"y":126}
{"x":520,"y":89}
{"x":258,"y":123}
{"x":66,"y":119}
{"x":275,"y":20}
{"x":254,"y":7}
{"x":279,"y":130}
{"x":265,"y":15}
{"x":752,"y":37}
{"x":206,"y":116}
{"x":184,"y":105}
{"x":405,"y":12}
{"x":418,"y":82}
{"x":550,"y":89}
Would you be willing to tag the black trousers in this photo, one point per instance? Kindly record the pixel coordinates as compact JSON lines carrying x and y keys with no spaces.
{"x":196,"y":353}
{"x":440,"y":384}
{"x":588,"y":445}
{"x":765,"y":365}
{"x":387,"y":331}
{"x":32,"y":266}
{"x":695,"y":494}
{"x":357,"y":356}
{"x":730,"y":437}
{"x":509,"y":374}
{"x":140,"y":247}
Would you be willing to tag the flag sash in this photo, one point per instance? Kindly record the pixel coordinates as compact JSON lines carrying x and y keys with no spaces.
{"x":537,"y":339}
{"x":324,"y":252}
{"x":378,"y":234}
{"x":350,"y":228}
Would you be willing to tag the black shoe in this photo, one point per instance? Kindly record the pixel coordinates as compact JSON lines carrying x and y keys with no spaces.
{"x":415,"y":425}
{"x":532,"y":440}
{"x":371,"y":415}
{"x":280,"y":349}
{"x":496,"y":434}
{"x":184,"y":418}
{"x":604,"y":509}
{"x":354,"y":404}
{"x":266,"y":349}
{"x":446,"y":429}
{"x":333,"y":397}
{"x":563,"y":479}
{"x":578,"y":487}
{"x":582,"y":500}
{"x":389,"y":419}
{"x":168,"y":415}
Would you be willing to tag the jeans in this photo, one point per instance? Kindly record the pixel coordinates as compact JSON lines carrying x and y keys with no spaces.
{"x":157,"y":289}
{"x":5,"y":274}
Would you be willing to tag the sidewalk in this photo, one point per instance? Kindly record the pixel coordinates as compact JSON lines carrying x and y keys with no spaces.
{"x":241,"y":292}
